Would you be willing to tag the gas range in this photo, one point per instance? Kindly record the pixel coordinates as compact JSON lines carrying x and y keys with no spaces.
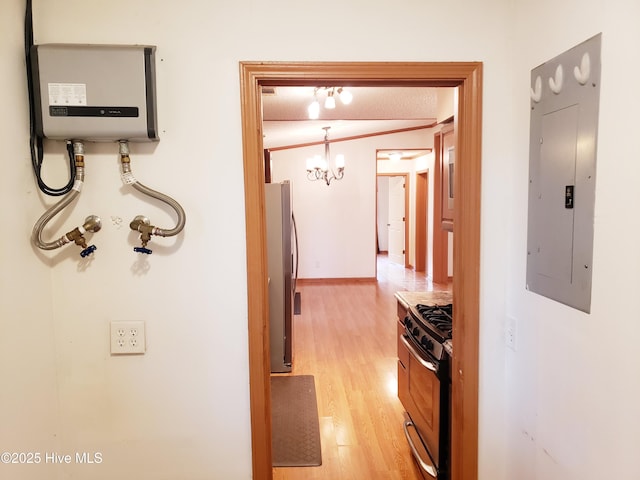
{"x":430,"y":326}
{"x":424,"y":386}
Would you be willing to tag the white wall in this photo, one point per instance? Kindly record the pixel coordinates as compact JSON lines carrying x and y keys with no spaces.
{"x":573,"y":380}
{"x":29,"y":393}
{"x":182,"y":410}
{"x":337,"y":223}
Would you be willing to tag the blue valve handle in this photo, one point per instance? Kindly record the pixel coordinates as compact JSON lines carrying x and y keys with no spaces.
{"x":142,"y":250}
{"x":88,"y":251}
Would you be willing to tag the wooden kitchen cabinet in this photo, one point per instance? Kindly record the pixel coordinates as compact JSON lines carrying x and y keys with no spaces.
{"x":403,"y":353}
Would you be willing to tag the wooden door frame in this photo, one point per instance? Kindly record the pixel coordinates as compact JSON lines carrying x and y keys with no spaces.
{"x":440,"y":272}
{"x":466,"y":281}
{"x":422,"y":214}
{"x":406,"y":211}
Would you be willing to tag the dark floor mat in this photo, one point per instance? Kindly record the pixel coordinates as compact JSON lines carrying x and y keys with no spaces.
{"x":297,"y":303}
{"x":295,"y":427}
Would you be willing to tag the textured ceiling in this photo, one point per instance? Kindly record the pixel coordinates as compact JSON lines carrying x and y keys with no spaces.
{"x":369,"y":103}
{"x":373,"y":110}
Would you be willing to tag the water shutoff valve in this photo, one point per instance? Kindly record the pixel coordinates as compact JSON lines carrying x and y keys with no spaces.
{"x":91,"y":224}
{"x":143,"y":225}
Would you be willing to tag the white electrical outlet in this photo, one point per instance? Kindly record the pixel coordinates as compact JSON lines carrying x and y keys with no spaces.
{"x":127,"y":338}
{"x":510,"y":332}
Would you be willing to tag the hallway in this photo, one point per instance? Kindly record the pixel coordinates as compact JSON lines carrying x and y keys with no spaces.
{"x":346,"y":337}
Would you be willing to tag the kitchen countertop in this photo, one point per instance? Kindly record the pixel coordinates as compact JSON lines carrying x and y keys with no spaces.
{"x":409,"y":299}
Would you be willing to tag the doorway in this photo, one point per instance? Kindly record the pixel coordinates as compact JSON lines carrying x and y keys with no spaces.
{"x":466,"y":283}
{"x":421,"y":230}
{"x":396,"y":197}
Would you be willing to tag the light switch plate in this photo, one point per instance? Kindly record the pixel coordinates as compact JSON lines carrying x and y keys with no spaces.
{"x":128,"y":338}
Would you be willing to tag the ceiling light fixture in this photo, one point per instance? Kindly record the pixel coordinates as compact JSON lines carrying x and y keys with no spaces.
{"x":318,"y":167}
{"x":345,"y":97}
{"x":395,"y":156}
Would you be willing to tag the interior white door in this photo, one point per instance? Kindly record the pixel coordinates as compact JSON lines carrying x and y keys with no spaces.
{"x":396,"y":220}
{"x":383,"y":214}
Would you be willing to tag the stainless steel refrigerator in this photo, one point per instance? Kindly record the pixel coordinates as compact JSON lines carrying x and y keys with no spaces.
{"x":280,"y":255}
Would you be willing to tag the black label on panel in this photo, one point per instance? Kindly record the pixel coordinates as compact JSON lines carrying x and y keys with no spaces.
{"x":84,"y":111}
{"x":58,"y":111}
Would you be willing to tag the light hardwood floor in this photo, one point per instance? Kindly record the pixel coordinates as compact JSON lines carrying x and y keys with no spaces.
{"x":346,"y":337}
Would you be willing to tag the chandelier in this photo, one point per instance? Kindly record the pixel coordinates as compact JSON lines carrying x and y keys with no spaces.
{"x":318,"y":167}
{"x":330,"y":101}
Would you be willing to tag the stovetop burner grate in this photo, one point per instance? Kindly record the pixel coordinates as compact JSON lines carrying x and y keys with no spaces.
{"x":438,"y":317}
{"x":445,"y":310}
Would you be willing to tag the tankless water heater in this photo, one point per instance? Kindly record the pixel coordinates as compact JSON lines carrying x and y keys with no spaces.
{"x":94,"y":92}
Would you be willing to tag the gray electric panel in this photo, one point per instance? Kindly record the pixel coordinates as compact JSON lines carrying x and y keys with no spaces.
{"x":565,"y":95}
{"x":94,"y":92}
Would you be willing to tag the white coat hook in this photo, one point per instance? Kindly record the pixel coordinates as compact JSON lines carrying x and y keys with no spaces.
{"x":536,"y":91}
{"x":583,"y":72}
{"x":555,"y":83}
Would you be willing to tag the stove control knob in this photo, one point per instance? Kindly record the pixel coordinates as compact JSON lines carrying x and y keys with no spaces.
{"x":408,"y":322}
{"x":415,"y":332}
{"x":426,"y":343}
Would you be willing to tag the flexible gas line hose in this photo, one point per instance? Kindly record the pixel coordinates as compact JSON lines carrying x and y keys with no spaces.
{"x":163,"y":232}
{"x":92,"y":223}
{"x":36,"y":236}
{"x":129,"y":179}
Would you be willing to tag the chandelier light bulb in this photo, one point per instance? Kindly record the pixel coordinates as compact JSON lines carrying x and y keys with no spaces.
{"x":330,"y":102}
{"x":345,"y":96}
{"x":314,"y":110}
{"x":339,"y":161}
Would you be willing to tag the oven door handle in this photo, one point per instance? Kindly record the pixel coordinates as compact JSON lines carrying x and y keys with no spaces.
{"x":425,"y":466}
{"x":426,"y":364}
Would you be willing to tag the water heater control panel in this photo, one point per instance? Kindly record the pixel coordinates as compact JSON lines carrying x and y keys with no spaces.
{"x":94,"y":92}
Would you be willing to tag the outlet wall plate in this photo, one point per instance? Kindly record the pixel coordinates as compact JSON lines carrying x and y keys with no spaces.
{"x":128,"y":338}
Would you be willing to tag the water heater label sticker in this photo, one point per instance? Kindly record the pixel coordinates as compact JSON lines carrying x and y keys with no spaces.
{"x":67,"y":94}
